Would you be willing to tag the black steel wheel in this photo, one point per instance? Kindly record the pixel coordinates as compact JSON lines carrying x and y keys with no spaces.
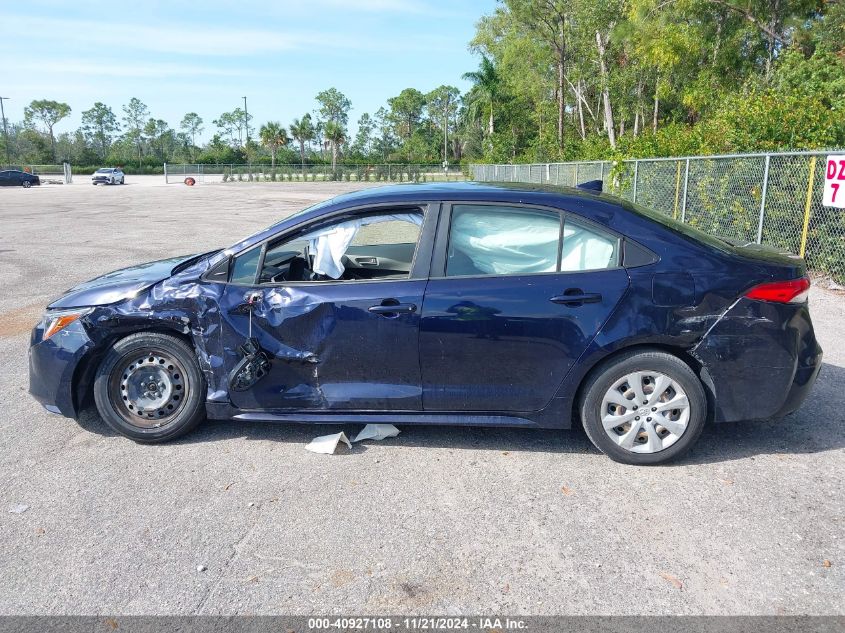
{"x":150,"y":388}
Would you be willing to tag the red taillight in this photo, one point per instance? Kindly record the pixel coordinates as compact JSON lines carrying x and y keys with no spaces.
{"x":792,"y":291}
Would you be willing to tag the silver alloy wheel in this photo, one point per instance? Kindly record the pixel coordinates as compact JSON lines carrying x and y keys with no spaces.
{"x":26,"y":184}
{"x":148,"y":391}
{"x":645,"y":412}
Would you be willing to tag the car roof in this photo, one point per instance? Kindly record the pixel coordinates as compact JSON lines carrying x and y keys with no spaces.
{"x":466,"y":190}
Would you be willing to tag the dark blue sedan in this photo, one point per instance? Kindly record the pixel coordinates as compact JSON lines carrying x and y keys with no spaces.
{"x":498,"y":305}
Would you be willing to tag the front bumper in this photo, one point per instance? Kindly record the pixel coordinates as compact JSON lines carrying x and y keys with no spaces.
{"x":53,"y":364}
{"x":759,"y":361}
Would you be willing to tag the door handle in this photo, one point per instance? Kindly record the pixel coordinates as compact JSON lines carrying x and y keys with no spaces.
{"x":392,"y":308}
{"x":575,"y":297}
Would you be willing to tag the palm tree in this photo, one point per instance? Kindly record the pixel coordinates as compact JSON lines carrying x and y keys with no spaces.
{"x":486,"y":89}
{"x":336,"y":135}
{"x":273,"y":136}
{"x":302,"y":130}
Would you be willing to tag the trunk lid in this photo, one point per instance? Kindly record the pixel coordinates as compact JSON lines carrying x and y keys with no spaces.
{"x":778,"y":263}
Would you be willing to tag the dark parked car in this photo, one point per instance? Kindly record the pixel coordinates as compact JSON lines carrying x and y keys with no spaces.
{"x":499,"y":305}
{"x":18,"y":178}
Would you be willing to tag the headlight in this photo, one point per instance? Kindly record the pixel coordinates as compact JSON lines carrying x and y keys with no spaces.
{"x":57,"y":320}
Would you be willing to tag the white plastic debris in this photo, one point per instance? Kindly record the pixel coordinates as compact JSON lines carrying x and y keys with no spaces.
{"x":376,"y":432}
{"x":19,"y":508}
{"x":201,"y":567}
{"x":327,"y":444}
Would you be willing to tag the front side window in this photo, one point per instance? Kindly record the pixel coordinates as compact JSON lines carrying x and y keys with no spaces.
{"x":362,"y":247}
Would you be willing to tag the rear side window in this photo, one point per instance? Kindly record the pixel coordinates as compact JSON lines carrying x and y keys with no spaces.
{"x":501,"y":240}
{"x":587,"y":248}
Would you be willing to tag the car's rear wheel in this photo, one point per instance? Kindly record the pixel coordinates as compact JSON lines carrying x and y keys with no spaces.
{"x":26,"y":184}
{"x":150,"y":388}
{"x":644,"y":408}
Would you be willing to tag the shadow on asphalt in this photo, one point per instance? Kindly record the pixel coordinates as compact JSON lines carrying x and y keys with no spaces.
{"x":816,"y":427}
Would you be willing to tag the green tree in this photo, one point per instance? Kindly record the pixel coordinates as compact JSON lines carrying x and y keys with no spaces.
{"x":135,"y":115}
{"x":442,"y":103}
{"x":48,"y":113}
{"x":273,"y":136}
{"x":364,"y":136}
{"x":485,"y":92}
{"x":159,"y":136}
{"x":99,"y":125}
{"x":191,"y":125}
{"x":384,"y":141}
{"x":406,"y":111}
{"x":334,"y":106}
{"x":336,"y":135}
{"x":302,"y":130}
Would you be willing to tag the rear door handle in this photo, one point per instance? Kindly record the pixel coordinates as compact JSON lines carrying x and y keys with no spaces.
{"x":576,"y":297}
{"x":392,"y":308}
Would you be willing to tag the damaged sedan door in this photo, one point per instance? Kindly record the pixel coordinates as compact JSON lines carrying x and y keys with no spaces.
{"x":334,"y":310}
{"x":517,"y":293}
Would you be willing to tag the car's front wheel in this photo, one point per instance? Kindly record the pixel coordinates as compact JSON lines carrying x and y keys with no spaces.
{"x":26,"y":184}
{"x":645,"y":407}
{"x":149,"y":388}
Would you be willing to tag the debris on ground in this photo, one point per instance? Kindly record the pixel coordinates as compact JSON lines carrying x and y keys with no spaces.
{"x":201,"y":567}
{"x":19,"y":508}
{"x":327,"y":444}
{"x":377,"y":432}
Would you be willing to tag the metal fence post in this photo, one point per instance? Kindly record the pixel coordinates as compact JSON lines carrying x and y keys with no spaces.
{"x":548,"y":172}
{"x":575,"y":179}
{"x":807,"y":207}
{"x":677,"y":190}
{"x":763,"y":199}
{"x":165,"y":174}
{"x":636,"y":170}
{"x":684,"y":201}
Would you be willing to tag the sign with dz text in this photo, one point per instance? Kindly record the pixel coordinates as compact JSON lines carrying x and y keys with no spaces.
{"x":834,"y":182}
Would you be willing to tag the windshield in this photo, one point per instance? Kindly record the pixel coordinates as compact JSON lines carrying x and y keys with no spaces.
{"x":240,"y":244}
{"x":682,"y":228}
{"x":104,"y":171}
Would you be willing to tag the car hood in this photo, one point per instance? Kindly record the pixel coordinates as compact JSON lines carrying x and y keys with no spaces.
{"x":119,"y":284}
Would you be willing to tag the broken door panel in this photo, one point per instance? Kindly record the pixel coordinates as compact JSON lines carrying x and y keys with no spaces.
{"x":332,"y":345}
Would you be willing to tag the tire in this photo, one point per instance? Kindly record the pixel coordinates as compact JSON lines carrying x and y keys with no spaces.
{"x":149,"y":388}
{"x":122,"y":181}
{"x":659,"y":428}
{"x":26,"y":184}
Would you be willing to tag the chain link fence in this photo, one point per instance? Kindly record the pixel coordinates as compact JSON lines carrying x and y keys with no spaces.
{"x":312,"y":173}
{"x":770,"y":198}
{"x":47,"y":173}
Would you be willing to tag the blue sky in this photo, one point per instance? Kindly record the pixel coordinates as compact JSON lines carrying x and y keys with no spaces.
{"x":204,"y":56}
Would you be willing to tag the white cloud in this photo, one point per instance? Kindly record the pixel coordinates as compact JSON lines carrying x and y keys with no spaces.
{"x":114,"y":68}
{"x":188,"y":40}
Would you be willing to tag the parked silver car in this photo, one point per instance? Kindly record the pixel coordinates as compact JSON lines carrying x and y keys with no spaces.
{"x":108,"y":176}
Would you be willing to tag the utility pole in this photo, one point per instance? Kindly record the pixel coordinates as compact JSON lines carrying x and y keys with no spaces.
{"x":5,"y":129}
{"x":446,"y":134}
{"x":246,"y":122}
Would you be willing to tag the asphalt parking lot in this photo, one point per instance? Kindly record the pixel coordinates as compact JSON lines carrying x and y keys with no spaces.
{"x":437,"y":520}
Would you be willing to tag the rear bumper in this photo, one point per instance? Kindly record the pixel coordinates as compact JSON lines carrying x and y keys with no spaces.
{"x":53,"y":364}
{"x":759,"y":361}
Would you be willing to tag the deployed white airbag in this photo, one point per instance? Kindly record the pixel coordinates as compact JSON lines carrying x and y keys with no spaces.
{"x":329,"y":245}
